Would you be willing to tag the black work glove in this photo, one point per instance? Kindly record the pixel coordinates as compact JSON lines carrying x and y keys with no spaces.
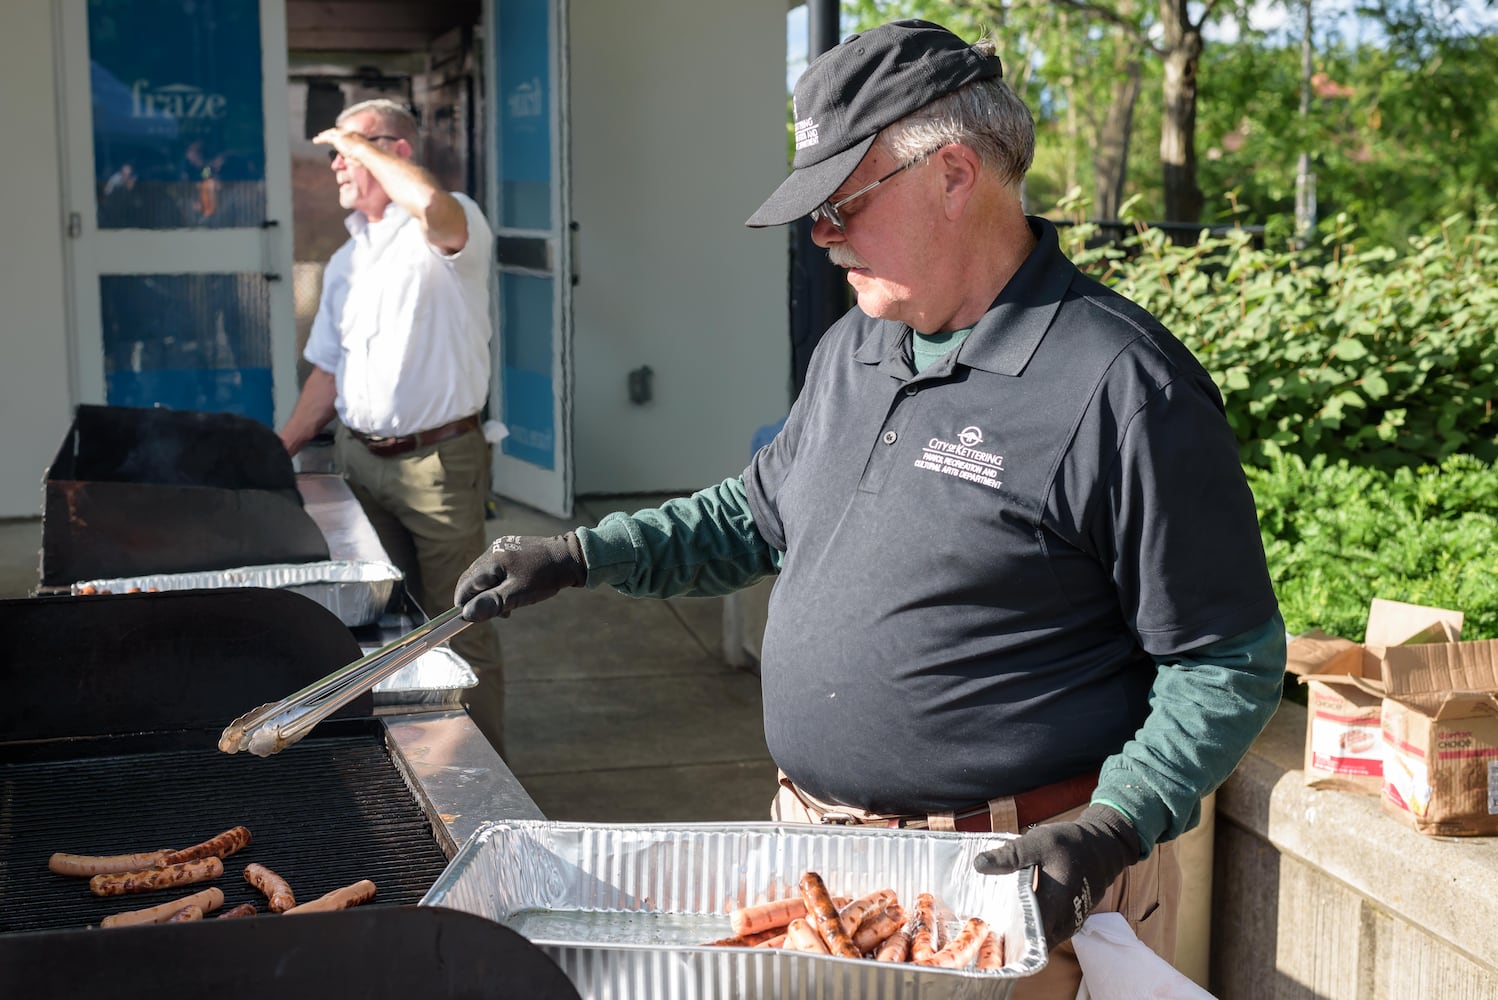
{"x":519,"y":570}
{"x":1075,"y":862}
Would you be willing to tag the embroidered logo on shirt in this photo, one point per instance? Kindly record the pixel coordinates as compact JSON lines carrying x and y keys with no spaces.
{"x":962,"y":458}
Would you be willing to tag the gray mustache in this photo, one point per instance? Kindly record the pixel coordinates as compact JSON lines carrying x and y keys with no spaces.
{"x":841,"y":256}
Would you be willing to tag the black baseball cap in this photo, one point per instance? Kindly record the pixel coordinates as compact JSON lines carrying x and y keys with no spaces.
{"x":852,"y":91}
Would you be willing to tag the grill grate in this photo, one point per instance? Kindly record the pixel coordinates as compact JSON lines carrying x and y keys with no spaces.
{"x":324,"y":813}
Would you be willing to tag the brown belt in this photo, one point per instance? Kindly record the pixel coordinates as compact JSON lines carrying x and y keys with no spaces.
{"x":1031,"y":807}
{"x":386,"y":447}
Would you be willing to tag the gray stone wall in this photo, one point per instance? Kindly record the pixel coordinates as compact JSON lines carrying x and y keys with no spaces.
{"x":1318,"y":894}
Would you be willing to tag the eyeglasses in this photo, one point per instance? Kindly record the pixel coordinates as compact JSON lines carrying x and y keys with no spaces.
{"x":333,"y":153}
{"x":829,"y":209}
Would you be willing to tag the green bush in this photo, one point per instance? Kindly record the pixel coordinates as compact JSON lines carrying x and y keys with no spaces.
{"x":1338,"y":535}
{"x":1360,"y":382}
{"x":1380,"y":356}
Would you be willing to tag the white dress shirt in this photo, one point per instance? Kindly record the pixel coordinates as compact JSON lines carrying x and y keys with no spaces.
{"x":402,"y":327}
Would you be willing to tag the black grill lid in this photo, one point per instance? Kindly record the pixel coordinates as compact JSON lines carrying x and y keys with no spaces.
{"x":190,"y":659}
{"x":395,"y":953}
{"x":135,"y":491}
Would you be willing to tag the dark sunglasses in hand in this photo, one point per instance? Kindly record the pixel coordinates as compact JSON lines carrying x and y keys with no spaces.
{"x":333,"y":153}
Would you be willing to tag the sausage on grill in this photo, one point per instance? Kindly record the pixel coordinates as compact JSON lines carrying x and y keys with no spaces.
{"x":276,"y":888}
{"x":339,"y":899}
{"x":148,"y":879}
{"x":85,"y":865}
{"x":208,"y":900}
{"x":221,"y":846}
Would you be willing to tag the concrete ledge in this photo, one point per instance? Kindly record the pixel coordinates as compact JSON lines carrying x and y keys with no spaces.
{"x":1337,"y":899}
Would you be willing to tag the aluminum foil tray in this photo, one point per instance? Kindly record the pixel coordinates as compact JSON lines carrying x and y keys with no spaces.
{"x":356,"y":591}
{"x":437,"y":679}
{"x":626,"y":911}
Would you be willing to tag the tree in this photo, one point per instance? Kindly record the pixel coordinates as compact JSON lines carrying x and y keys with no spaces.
{"x":1047,"y":51}
{"x":1400,"y":134}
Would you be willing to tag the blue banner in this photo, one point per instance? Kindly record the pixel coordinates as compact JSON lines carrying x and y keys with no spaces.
{"x":523,"y":74}
{"x":178,"y":116}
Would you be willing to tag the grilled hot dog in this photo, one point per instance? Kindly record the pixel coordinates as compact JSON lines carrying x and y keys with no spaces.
{"x":339,"y":899}
{"x":221,"y":846}
{"x":86,"y":865}
{"x":208,"y":900}
{"x":963,"y":948}
{"x":276,"y":889}
{"x":821,"y":913}
{"x":148,"y":879}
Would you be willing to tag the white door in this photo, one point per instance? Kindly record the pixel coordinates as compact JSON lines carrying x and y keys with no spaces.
{"x":530,"y":206}
{"x":178,"y":204}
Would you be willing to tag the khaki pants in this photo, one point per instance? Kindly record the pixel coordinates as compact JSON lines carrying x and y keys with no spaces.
{"x":1147,"y":894}
{"x":427,"y":506}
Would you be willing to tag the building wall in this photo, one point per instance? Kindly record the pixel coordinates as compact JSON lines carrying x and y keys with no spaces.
{"x":678,"y":131}
{"x":678,"y":116}
{"x":35,"y":403}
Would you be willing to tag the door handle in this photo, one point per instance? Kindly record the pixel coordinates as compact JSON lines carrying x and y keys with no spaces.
{"x":572,"y":229}
{"x":268,"y":232}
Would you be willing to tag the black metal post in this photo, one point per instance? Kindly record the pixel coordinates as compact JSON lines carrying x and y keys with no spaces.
{"x":817,"y":290}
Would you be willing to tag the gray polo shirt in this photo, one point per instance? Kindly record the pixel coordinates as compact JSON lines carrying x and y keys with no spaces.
{"x":980,"y":560}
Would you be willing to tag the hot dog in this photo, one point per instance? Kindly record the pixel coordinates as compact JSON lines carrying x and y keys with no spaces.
{"x":961,"y":950}
{"x":242,"y":910}
{"x":853,"y":914}
{"x":763,"y":916}
{"x":802,"y":936}
{"x":923,"y":928}
{"x":148,"y":879}
{"x":207,"y":900}
{"x":220,"y":846}
{"x":991,"y":952}
{"x":85,"y":865}
{"x":276,"y":889}
{"x":747,"y":940}
{"x":894,"y":948}
{"x":339,"y":899}
{"x":821,"y":913}
{"x":188,"y":912}
{"x":878,"y":928}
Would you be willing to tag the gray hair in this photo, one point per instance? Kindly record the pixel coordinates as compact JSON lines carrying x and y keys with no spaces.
{"x":394,"y":118}
{"x":987,"y":116}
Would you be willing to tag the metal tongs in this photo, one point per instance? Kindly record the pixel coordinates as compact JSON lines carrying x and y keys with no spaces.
{"x":272,"y":728}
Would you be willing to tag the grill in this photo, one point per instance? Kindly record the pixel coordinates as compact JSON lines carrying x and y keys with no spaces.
{"x":325,"y":813}
{"x":134,"y":491}
{"x":108,"y":745}
{"x":109,"y":722}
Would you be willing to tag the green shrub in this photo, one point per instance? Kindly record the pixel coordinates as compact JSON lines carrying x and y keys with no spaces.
{"x":1338,"y":535}
{"x":1380,"y":356}
{"x":1360,"y":381}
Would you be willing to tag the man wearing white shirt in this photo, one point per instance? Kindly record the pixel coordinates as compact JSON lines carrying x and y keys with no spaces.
{"x":400,"y":354}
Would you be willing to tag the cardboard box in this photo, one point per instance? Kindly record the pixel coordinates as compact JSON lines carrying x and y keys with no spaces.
{"x":1345,"y":691}
{"x":1440,"y":737}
